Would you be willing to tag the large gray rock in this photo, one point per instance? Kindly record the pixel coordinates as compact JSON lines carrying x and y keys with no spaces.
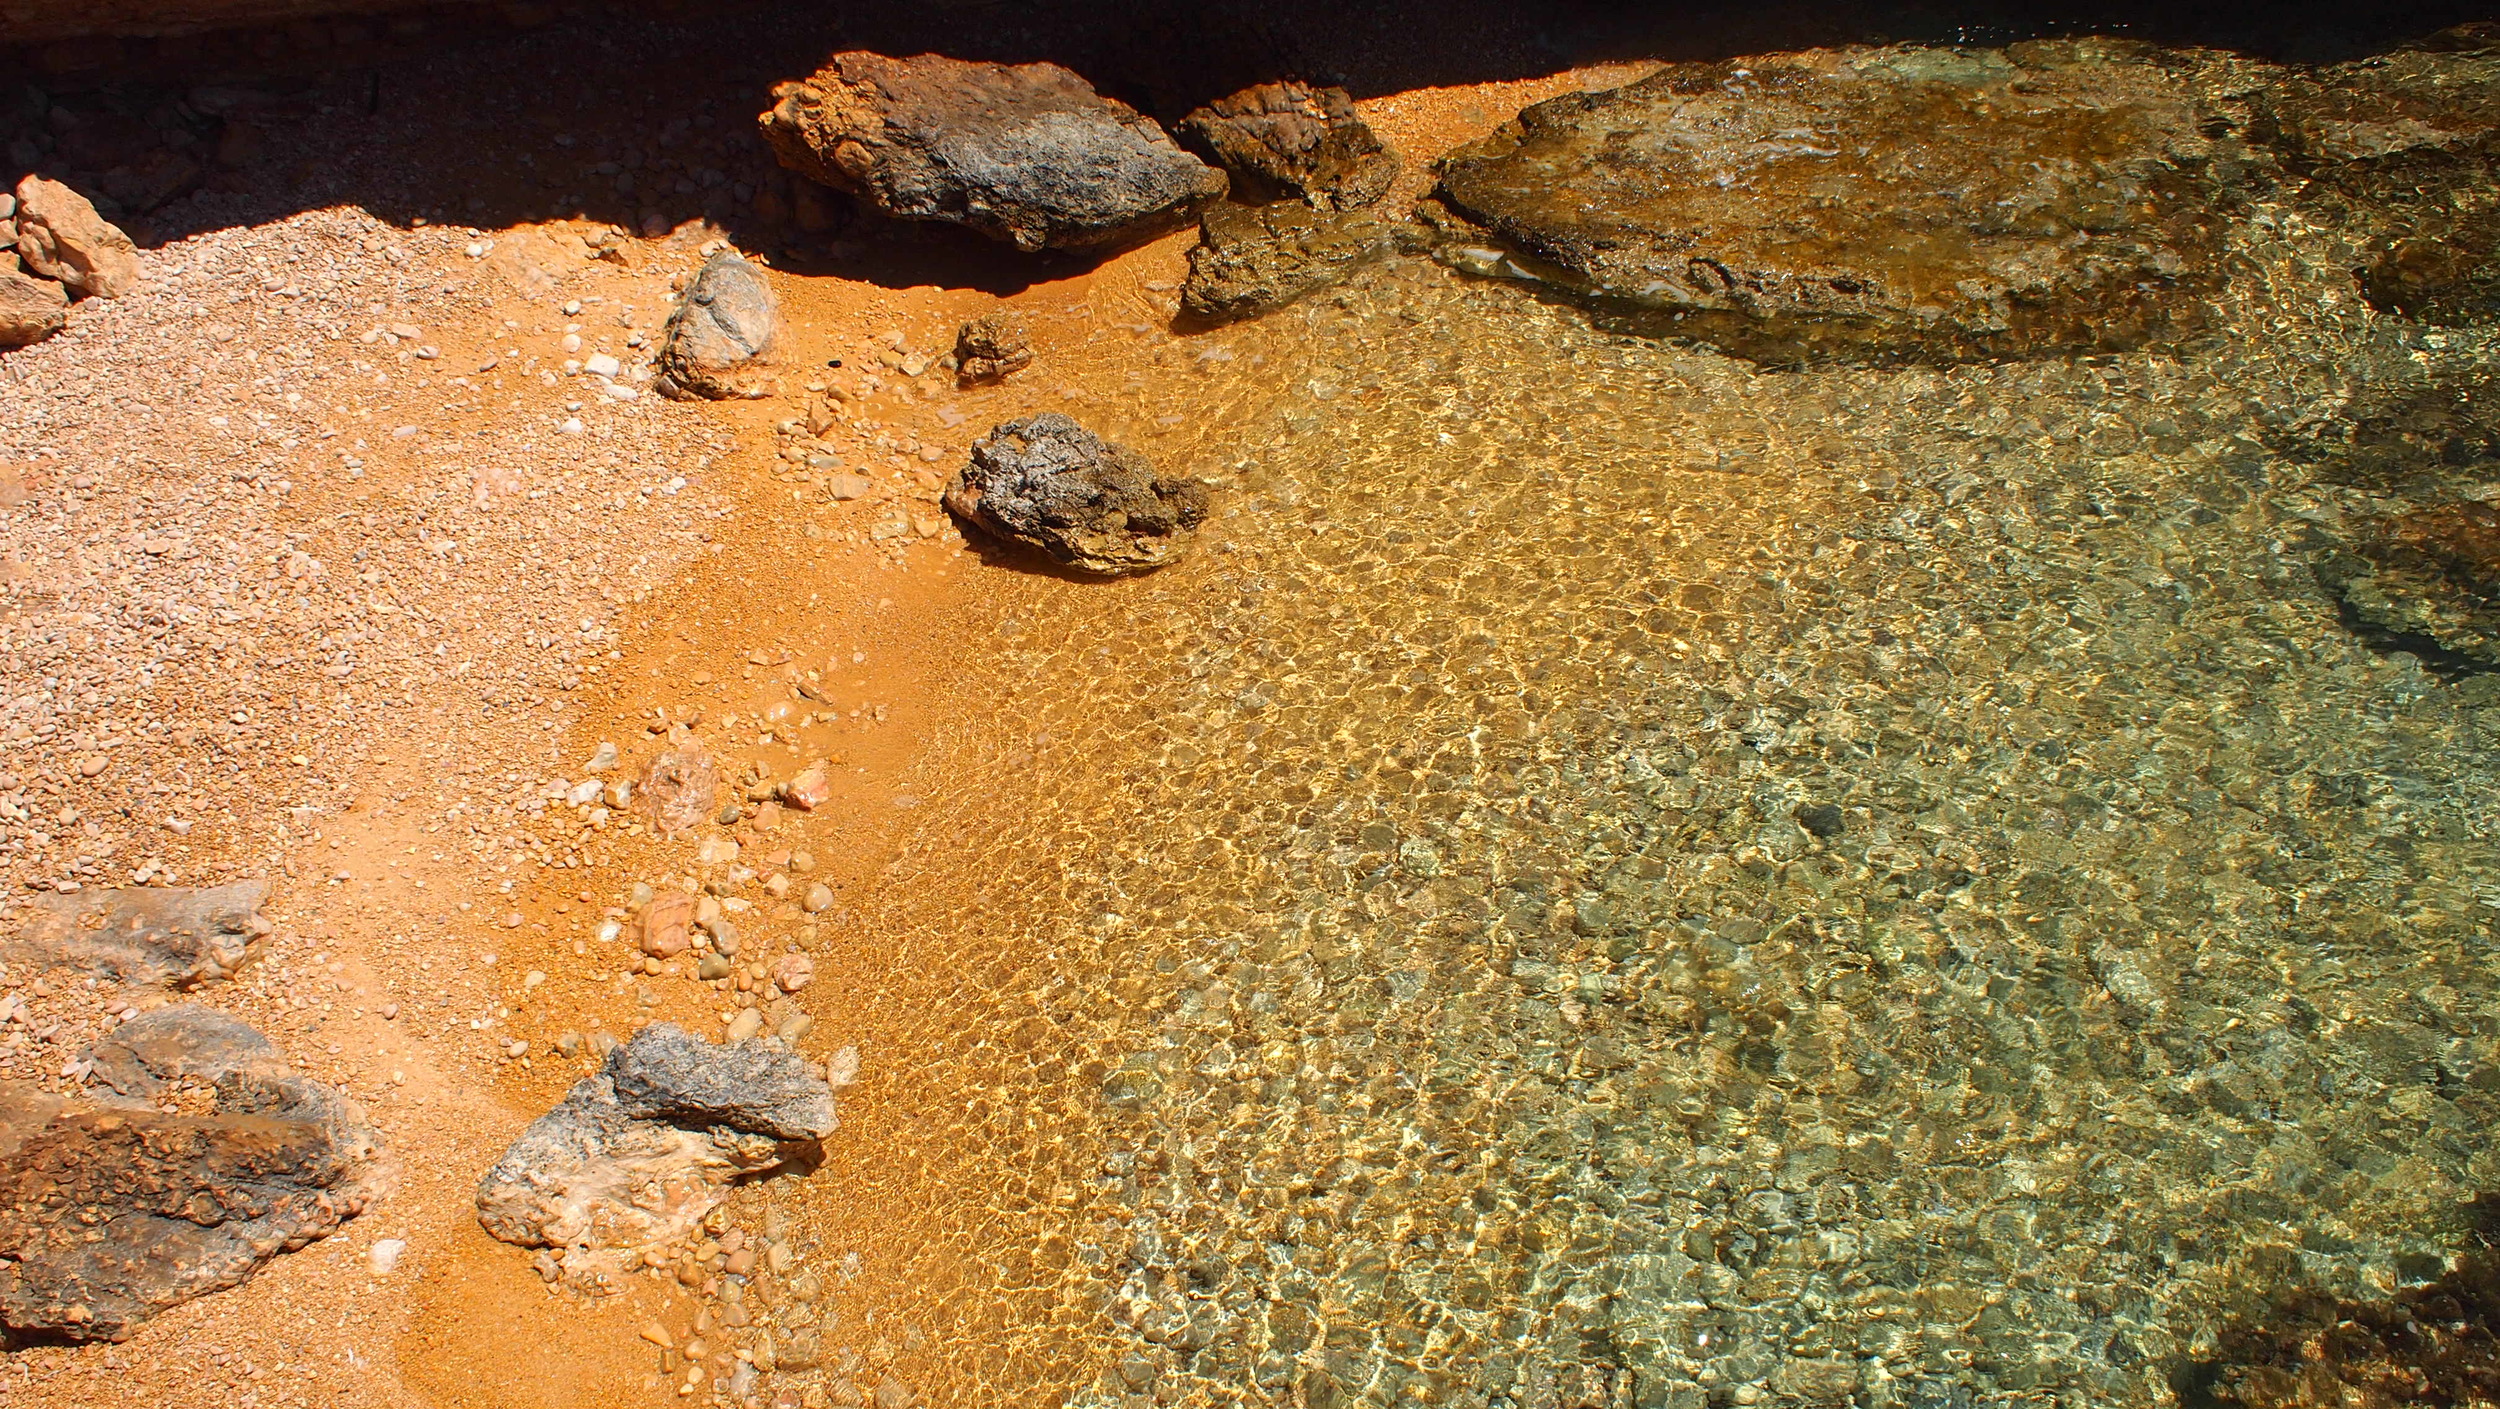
{"x":151,"y":936}
{"x":1027,"y":153}
{"x":109,"y":1215}
{"x":638,"y":1153}
{"x":1049,"y":483}
{"x":1935,"y":203}
{"x":60,"y":236}
{"x":1292,"y":141}
{"x":1255,"y":259}
{"x":725,"y":323}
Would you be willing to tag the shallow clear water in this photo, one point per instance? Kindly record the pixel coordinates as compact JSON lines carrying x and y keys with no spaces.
{"x":1387,"y":959}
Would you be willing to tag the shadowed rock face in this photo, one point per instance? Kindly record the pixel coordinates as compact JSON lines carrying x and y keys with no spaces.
{"x":1097,"y":506}
{"x":1026,"y":153}
{"x":108,"y":1216}
{"x":1941,"y":204}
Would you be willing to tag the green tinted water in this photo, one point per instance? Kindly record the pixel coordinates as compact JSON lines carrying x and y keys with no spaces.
{"x":1618,"y":877}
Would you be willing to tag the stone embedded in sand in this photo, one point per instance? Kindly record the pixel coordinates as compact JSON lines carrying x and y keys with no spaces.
{"x":725,"y":322}
{"x":1293,"y":141}
{"x":1255,"y":259}
{"x":666,"y":927}
{"x":1935,"y":203}
{"x":1027,"y":153}
{"x":680,"y":789}
{"x":155,"y":936}
{"x":110,"y":1215}
{"x":1049,"y":483}
{"x":60,"y":236}
{"x":31,"y":309}
{"x":638,"y":1153}
{"x":992,"y":346}
{"x":810,"y":788}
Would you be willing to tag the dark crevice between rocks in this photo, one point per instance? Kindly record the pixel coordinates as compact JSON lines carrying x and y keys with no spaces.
{"x":2434,"y":1344}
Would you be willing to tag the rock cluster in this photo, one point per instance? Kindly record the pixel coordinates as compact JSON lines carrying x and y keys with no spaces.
{"x":1307,"y":154}
{"x":722,"y":326}
{"x":638,"y":1153}
{"x":1049,"y":483}
{"x":1941,"y":204}
{"x":111,"y":1212}
{"x":60,"y":250}
{"x":1026,"y":153}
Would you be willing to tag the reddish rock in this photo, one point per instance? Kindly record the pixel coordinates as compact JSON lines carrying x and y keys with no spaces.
{"x":667,"y":925}
{"x":60,"y":236}
{"x":31,"y":309}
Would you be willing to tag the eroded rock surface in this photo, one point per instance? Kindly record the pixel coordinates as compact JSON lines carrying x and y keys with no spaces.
{"x":637,"y":1153}
{"x":111,"y":1214}
{"x":992,"y":346}
{"x":31,"y":309}
{"x":680,"y":788}
{"x":1027,"y":153}
{"x":1936,"y":203}
{"x":1049,"y":483}
{"x":725,"y":323}
{"x":1292,"y":141}
{"x":1254,"y":259}
{"x":60,"y":236}
{"x":152,"y":936}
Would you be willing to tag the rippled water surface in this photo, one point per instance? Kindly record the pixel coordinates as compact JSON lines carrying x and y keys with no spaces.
{"x":1619,"y":877}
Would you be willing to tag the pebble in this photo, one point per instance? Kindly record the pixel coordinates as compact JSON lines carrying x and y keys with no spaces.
{"x":602,"y":759}
{"x":600,"y":364}
{"x":819,"y":899}
{"x":746,"y":1024}
{"x":385,"y":1255}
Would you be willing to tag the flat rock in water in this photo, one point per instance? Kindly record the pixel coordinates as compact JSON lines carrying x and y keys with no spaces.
{"x":108,"y":1216}
{"x":636,"y":1154}
{"x":2403,"y":149}
{"x":60,"y":236}
{"x":1027,"y":153}
{"x":723,"y":325}
{"x":1254,"y":259}
{"x":155,"y":936}
{"x":1292,"y":141}
{"x":31,"y":309}
{"x":1932,"y":203}
{"x":1049,"y":483}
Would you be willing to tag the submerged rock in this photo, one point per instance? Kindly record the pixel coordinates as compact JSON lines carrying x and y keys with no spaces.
{"x":1293,"y":141}
{"x":1936,"y":203}
{"x":721,"y":327}
{"x":638,"y":1153}
{"x":2403,"y":149}
{"x":992,"y":346}
{"x":1255,"y":259}
{"x":110,"y":1215}
{"x":1049,"y":483}
{"x":60,"y":236}
{"x":1027,"y":153}
{"x":151,"y":936}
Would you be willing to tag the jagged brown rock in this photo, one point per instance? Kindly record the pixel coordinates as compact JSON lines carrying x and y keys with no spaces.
{"x":1933,"y":203}
{"x":992,"y":346}
{"x":1049,"y":483}
{"x":1292,"y":141}
{"x":150,"y":936}
{"x":31,"y":309}
{"x":1026,"y":153}
{"x":111,"y":1214}
{"x":1251,"y":260}
{"x":60,"y":236}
